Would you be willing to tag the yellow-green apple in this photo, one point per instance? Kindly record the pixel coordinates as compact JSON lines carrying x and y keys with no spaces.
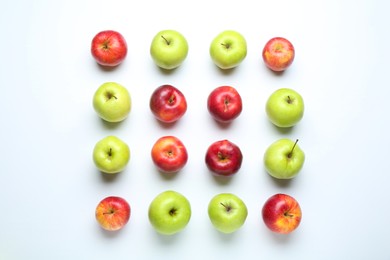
{"x":223,"y":158}
{"x":169,"y":154}
{"x":281,"y":213}
{"x":112,"y":102}
{"x":169,"y":48}
{"x":111,"y":154}
{"x":228,"y":49}
{"x":227,"y":212}
{"x":224,"y":104}
{"x":109,"y":48}
{"x":169,"y":212}
{"x":112,"y":213}
{"x":283,"y":159}
{"x":285,"y":107}
{"x":278,"y":54}
{"x":168,"y":104}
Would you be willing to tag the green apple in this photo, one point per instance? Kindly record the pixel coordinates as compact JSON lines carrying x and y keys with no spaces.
{"x":168,"y":49}
{"x":285,"y":107}
{"x":228,"y":49}
{"x":111,"y":154}
{"x":112,"y":102}
{"x":284,"y":159}
{"x":227,"y":212}
{"x":169,"y":212}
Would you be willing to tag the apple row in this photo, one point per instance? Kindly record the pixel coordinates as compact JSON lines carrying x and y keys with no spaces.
{"x":283,"y":159}
{"x":170,"y":212}
{"x":169,"y":49}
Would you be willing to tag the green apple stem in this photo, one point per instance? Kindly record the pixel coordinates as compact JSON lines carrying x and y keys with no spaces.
{"x":289,"y":100}
{"x":227,"y":207}
{"x":227,"y":45}
{"x":292,"y":149}
{"x":168,"y":42}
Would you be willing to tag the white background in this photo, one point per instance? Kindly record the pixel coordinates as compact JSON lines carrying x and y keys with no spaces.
{"x":50,"y":187}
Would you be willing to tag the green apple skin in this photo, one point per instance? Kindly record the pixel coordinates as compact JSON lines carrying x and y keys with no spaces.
{"x":228,"y":49}
{"x":112,"y":102}
{"x":284,"y":159}
{"x":169,"y":49}
{"x":169,"y":212}
{"x":111,"y":155}
{"x":227,"y":212}
{"x":285,"y":107}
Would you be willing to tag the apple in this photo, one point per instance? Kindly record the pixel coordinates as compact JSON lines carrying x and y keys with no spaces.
{"x":283,"y":159}
{"x":281,"y":213}
{"x":278,"y":54}
{"x":109,"y":48}
{"x":228,"y":49}
{"x":168,"y":104}
{"x":169,"y":212}
{"x":223,"y":158}
{"x":285,"y":107}
{"x":169,"y":154}
{"x":224,"y":104}
{"x":111,"y":155}
{"x":112,"y":102}
{"x":169,"y":49}
{"x":227,"y":212}
{"x":112,"y":213}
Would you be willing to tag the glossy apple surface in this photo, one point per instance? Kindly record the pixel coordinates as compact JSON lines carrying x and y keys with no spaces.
{"x":285,"y":107}
{"x":227,"y":212}
{"x":224,"y":104}
{"x":169,"y":154}
{"x":168,"y":104}
{"x":112,"y":102}
{"x":109,"y":48}
{"x":228,"y":49}
{"x":223,"y":158}
{"x":169,"y":48}
{"x":111,"y":155}
{"x":169,"y":212}
{"x":112,"y":213}
{"x":281,"y":213}
{"x":278,"y":54}
{"x":284,"y":159}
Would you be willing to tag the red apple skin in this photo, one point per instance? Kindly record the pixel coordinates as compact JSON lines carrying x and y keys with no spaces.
{"x":278,"y":54}
{"x":224,"y":104}
{"x":112,"y":213}
{"x":281,"y":213}
{"x":169,"y":154}
{"x":168,"y":104}
{"x":109,"y":48}
{"x":223,"y":158}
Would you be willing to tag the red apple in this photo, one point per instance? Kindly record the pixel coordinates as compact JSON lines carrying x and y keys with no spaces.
{"x":281,"y":213}
{"x":169,"y":154}
{"x":109,"y":48}
{"x":113,"y":213}
{"x":168,"y":104}
{"x":223,"y":158}
{"x":224,"y":104}
{"x":278,"y":54}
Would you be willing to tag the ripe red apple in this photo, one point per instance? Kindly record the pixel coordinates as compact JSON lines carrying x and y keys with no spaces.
{"x":282,"y":213}
{"x":223,"y":158}
{"x":109,"y":48}
{"x":278,"y":54}
{"x":112,"y":213}
{"x":169,"y":154}
{"x":168,"y":104}
{"x":224,"y":104}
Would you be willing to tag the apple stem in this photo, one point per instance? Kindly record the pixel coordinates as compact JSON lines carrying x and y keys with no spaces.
{"x":289,"y":100}
{"x":110,"y":152}
{"x":228,"y":208}
{"x":227,"y":45}
{"x":287,"y":214}
{"x":168,"y":42}
{"x":292,"y":149}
